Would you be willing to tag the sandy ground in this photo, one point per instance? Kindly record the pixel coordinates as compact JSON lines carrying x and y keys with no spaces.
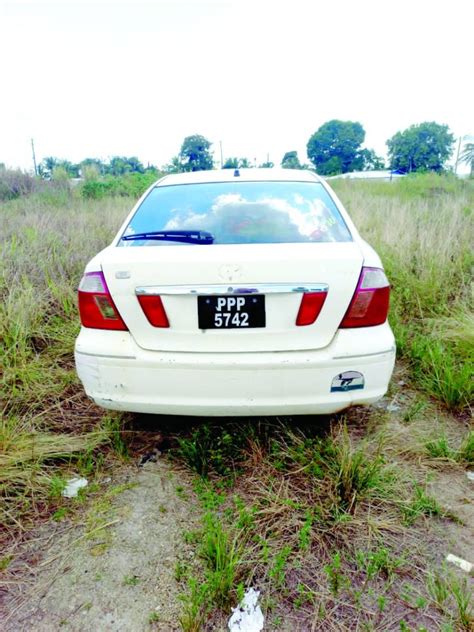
{"x":114,"y":579}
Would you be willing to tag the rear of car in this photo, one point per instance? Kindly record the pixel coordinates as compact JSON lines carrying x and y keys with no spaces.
{"x":235,"y":294}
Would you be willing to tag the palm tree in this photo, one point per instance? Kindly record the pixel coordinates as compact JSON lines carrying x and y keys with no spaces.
{"x":467,"y":156}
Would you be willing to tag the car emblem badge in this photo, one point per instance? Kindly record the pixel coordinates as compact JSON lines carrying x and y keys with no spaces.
{"x":230,"y":272}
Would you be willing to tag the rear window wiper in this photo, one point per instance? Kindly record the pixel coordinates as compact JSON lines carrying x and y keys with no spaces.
{"x":183,"y":236}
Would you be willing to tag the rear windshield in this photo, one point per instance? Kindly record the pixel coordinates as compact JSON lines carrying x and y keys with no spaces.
{"x":240,"y":213}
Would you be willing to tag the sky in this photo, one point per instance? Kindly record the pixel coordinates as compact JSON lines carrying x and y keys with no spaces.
{"x":102,"y":78}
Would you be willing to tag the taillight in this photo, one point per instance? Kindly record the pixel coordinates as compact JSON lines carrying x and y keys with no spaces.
{"x":311,"y":304}
{"x":369,"y":305}
{"x":96,"y":307}
{"x":153,"y":308}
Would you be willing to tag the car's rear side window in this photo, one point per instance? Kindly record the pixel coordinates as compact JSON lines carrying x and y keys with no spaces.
{"x":241,"y":213}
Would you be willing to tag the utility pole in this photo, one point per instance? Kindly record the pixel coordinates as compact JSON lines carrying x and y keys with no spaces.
{"x":457,"y":156}
{"x":34,"y":156}
{"x":222,"y":159}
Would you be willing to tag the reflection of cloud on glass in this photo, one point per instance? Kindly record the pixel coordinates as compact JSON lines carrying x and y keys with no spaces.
{"x":268,"y":219}
{"x":181,"y":221}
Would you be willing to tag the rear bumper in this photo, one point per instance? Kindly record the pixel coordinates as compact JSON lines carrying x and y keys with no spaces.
{"x":119,"y":375}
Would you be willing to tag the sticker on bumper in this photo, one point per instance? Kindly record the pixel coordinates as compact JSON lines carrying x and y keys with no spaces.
{"x":347,"y":381}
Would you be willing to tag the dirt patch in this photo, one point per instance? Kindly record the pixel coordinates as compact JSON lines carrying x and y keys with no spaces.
{"x":115,"y":577}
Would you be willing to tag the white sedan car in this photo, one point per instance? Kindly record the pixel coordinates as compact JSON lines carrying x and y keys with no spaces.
{"x":243,"y":292}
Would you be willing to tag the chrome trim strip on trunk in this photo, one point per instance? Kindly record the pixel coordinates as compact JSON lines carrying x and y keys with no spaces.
{"x":225,"y":288}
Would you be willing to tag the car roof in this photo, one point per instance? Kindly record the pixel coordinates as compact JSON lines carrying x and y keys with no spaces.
{"x":274,"y":174}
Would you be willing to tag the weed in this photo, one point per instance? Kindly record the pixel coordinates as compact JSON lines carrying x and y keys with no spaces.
{"x":5,"y":562}
{"x":415,"y":409}
{"x":278,"y":570}
{"x":153,"y":617}
{"x":439,"y":448}
{"x":377,"y":561}
{"x":444,"y":588}
{"x":305,"y":533}
{"x":60,"y":514}
{"x":56,"y":486}
{"x":463,"y":597}
{"x":439,"y":591}
{"x":212,"y":449}
{"x":181,"y":493}
{"x":246,"y":516}
{"x":381,"y":602}
{"x":113,"y":426}
{"x":222,"y":553}
{"x":180,"y":571}
{"x":336,"y":578}
{"x":131,"y":580}
{"x":195,"y":605}
{"x":354,"y":472}
{"x":421,"y":505}
{"x":466,"y":450}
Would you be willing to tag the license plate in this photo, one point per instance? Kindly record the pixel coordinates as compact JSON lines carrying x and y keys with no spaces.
{"x":231,"y":312}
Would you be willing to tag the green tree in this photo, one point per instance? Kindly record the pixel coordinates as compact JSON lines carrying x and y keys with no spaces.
{"x":195,"y":154}
{"x":467,"y":156}
{"x":335,"y":147}
{"x":367,"y":160}
{"x":119,"y":165}
{"x":231,"y":163}
{"x":291,"y":160}
{"x":423,"y":147}
{"x":175,"y":166}
{"x":48,"y":166}
{"x":237,"y":163}
{"x":244,"y":163}
{"x":95,"y":163}
{"x":268,"y":164}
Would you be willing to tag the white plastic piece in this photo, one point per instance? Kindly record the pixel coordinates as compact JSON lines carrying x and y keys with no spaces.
{"x":470,"y":476}
{"x":460,"y":563}
{"x":248,"y":616}
{"x":392,"y":408}
{"x":73,"y":486}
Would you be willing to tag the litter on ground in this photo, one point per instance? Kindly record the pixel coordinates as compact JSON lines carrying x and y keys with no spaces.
{"x":248,"y":616}
{"x":470,"y":476}
{"x":460,"y":563}
{"x":73,"y":486}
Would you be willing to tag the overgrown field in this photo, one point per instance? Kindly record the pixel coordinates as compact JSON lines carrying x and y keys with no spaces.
{"x":423,"y":228}
{"x":326,"y":521}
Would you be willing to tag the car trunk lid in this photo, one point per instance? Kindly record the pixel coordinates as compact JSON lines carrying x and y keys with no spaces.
{"x":180,"y":274}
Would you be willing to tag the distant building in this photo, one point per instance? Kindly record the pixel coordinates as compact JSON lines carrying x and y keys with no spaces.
{"x":384,"y":174}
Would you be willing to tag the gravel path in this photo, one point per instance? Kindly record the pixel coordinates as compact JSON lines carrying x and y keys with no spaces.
{"x":119,"y":577}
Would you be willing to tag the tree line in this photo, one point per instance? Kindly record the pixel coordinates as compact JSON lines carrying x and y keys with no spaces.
{"x":335,"y":148}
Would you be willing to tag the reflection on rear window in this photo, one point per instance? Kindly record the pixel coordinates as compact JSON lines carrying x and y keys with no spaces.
{"x":241,"y":213}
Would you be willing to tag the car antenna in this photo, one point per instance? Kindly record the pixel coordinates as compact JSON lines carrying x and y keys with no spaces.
{"x":236,"y":173}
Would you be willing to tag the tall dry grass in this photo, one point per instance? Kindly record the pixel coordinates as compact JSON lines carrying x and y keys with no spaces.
{"x":45,"y":242}
{"x":423,"y":228}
